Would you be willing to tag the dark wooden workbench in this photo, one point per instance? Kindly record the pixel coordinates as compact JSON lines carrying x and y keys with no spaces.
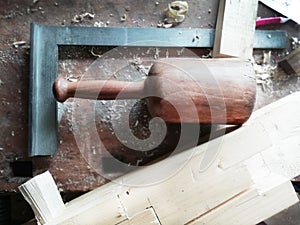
{"x":71,"y":172}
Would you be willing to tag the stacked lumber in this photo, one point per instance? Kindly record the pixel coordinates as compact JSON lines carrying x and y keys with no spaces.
{"x":247,"y":182}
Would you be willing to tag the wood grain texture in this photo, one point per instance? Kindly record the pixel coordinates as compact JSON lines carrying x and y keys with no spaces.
{"x":235,"y":28}
{"x":206,"y":91}
{"x":185,"y":90}
{"x":230,"y":189}
{"x":146,"y":217}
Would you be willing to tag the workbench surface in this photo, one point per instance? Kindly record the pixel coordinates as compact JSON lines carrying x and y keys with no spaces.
{"x":70,"y":169}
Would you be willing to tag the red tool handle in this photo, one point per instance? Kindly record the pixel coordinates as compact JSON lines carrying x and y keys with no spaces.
{"x":97,"y":89}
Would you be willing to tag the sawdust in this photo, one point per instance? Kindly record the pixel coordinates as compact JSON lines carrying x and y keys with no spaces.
{"x":16,"y":44}
{"x":264,"y":68}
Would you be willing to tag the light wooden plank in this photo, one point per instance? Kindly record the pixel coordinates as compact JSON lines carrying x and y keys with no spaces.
{"x":146,"y":217}
{"x":251,"y":207}
{"x":274,"y":130}
{"x":176,"y":194}
{"x":235,"y":28}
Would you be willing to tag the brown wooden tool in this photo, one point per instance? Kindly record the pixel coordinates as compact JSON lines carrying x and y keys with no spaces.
{"x":180,"y":90}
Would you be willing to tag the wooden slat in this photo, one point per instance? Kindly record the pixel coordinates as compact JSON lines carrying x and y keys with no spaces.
{"x":235,"y":28}
{"x":43,"y":197}
{"x":146,"y":217}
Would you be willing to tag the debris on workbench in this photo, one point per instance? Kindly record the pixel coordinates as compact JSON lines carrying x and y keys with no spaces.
{"x":174,"y":14}
{"x":16,"y":44}
{"x":100,"y":24}
{"x":94,"y":53}
{"x":72,"y":78}
{"x":123,"y":18}
{"x":264,"y":68}
{"x":81,"y":17}
{"x":138,"y":64}
{"x":291,"y":63}
{"x":295,"y":42}
{"x":208,"y":55}
{"x":156,"y":52}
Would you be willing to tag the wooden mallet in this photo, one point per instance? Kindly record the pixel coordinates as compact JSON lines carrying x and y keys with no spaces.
{"x":180,"y":90}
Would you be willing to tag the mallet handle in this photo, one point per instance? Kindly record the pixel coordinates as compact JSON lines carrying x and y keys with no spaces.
{"x":97,"y":89}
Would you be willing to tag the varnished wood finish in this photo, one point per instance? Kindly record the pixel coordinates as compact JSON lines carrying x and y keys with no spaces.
{"x":185,"y":90}
{"x":99,"y":89}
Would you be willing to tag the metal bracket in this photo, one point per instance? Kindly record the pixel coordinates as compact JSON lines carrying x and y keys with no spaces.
{"x":45,"y":41}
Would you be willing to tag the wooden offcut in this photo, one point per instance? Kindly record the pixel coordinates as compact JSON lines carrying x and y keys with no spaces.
{"x":235,"y":28}
{"x":43,"y":197}
{"x":291,"y":63}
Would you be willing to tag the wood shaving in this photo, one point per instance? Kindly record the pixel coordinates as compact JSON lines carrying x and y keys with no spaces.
{"x":81,"y":17}
{"x":295,"y":42}
{"x":72,"y":78}
{"x":100,"y":24}
{"x":137,"y":63}
{"x":16,"y":44}
{"x":265,"y":69}
{"x":123,"y":18}
{"x":95,"y":54}
{"x":175,"y":13}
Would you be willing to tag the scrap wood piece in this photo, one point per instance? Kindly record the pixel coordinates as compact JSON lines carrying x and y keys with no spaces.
{"x":43,"y":196}
{"x":147,"y":216}
{"x":265,"y":134}
{"x":235,"y":28}
{"x":291,"y":63}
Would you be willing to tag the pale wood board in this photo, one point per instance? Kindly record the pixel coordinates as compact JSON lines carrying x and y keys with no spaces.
{"x":251,"y":207}
{"x":177,"y":194}
{"x":146,"y":217}
{"x":235,"y":28}
{"x":43,"y":196}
